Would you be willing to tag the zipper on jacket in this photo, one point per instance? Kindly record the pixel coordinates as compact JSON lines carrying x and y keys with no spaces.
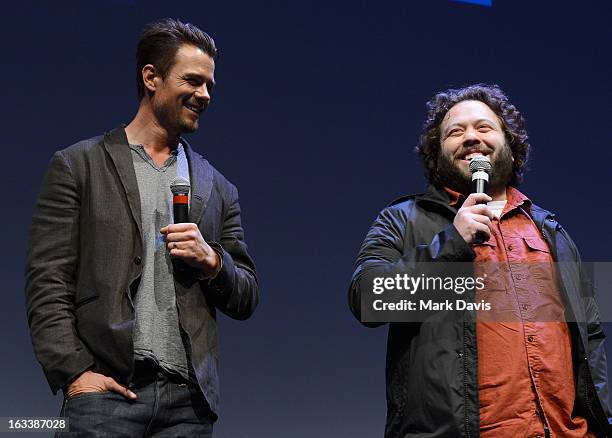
{"x":547,"y":237}
{"x":589,"y":385}
{"x":544,"y":423}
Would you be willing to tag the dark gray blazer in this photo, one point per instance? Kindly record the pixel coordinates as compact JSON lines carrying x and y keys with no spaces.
{"x":84,"y":264}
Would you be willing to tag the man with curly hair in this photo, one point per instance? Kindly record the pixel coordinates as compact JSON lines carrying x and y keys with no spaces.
{"x":541,"y":372}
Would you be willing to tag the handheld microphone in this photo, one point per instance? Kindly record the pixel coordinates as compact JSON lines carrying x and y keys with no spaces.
{"x":180,"y":199}
{"x":180,"y":206}
{"x":480,"y":166}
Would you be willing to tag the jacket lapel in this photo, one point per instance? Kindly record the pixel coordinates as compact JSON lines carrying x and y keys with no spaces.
{"x":116,"y":144}
{"x":201,"y":179}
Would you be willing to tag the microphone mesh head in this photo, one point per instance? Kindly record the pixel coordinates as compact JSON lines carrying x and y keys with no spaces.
{"x":180,"y":186}
{"x":480,"y":163}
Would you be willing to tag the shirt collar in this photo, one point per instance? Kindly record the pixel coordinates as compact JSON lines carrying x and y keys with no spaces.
{"x":514,"y":198}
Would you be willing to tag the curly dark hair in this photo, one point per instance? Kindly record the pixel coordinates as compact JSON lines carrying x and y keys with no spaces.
{"x":512,"y":121}
{"x":161,"y":40}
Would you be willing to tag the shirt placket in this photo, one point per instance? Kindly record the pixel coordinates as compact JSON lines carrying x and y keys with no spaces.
{"x":519,"y":287}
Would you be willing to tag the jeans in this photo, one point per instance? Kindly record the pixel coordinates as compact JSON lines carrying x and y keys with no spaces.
{"x":165,"y":407}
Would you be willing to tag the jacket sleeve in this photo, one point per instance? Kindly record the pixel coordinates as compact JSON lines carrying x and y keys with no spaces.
{"x":234,"y":290}
{"x":384,"y":254}
{"x":596,"y":352}
{"x":596,"y":349}
{"x":51,"y":263}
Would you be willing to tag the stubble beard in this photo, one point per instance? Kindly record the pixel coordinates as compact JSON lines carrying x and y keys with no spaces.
{"x":188,"y":127}
{"x":172,"y":120}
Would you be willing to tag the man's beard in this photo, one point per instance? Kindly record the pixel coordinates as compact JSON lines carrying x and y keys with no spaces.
{"x":171,"y":119}
{"x":450,"y":175}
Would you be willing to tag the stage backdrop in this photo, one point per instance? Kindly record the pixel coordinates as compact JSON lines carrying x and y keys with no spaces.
{"x":315,"y":117}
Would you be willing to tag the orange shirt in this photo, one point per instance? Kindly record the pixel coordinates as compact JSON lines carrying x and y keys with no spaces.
{"x":525,"y":370}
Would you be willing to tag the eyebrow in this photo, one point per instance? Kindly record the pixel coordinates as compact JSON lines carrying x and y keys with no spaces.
{"x":476,"y":122}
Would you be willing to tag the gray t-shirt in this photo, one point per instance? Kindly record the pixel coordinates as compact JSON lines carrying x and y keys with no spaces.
{"x":157,"y":332}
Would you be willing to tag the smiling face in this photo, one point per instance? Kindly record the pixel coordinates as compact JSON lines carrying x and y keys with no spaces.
{"x":471,"y":128}
{"x":180,"y":98}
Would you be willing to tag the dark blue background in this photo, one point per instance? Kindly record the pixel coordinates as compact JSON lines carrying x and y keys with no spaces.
{"x":316,"y":113}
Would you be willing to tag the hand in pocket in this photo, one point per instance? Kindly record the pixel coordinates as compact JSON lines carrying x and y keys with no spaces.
{"x":90,"y":381}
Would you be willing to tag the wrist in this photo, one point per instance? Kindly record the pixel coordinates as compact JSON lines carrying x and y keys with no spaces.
{"x":216,"y":266}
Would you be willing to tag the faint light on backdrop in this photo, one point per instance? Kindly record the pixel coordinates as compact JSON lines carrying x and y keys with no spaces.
{"x":477,"y":2}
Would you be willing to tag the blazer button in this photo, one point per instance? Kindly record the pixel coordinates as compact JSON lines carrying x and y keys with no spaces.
{"x":137,"y":261}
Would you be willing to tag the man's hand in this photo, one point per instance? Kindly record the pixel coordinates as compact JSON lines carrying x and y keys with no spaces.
{"x":473,"y":220}
{"x":185,"y":242}
{"x":89,"y":381}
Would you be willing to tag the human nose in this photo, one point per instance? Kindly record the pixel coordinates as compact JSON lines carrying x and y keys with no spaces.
{"x":470,"y":137}
{"x":202,"y":93}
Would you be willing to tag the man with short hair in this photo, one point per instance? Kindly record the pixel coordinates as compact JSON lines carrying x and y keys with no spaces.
{"x":459,"y":375}
{"x":121,"y":301}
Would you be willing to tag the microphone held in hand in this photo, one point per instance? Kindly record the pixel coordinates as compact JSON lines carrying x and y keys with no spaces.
{"x":480,"y":166}
{"x":180,"y":199}
{"x":180,"y":205}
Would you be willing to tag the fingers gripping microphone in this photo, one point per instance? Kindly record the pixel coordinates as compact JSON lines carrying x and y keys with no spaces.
{"x":480,"y":166}
{"x":180,"y":199}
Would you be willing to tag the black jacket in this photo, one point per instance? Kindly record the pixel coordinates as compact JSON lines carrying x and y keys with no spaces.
{"x":84,"y":264}
{"x":431,"y":373}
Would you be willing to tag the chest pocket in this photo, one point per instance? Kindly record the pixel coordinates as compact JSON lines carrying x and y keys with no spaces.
{"x":537,"y":247}
{"x":539,"y":266}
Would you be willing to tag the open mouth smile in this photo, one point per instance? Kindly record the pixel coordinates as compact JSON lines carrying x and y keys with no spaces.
{"x":468,"y":156}
{"x":195,"y":109}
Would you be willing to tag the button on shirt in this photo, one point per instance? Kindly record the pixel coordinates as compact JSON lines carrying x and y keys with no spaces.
{"x":525,"y":370}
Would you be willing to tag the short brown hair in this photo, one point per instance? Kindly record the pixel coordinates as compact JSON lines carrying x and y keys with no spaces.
{"x":161,"y":40}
